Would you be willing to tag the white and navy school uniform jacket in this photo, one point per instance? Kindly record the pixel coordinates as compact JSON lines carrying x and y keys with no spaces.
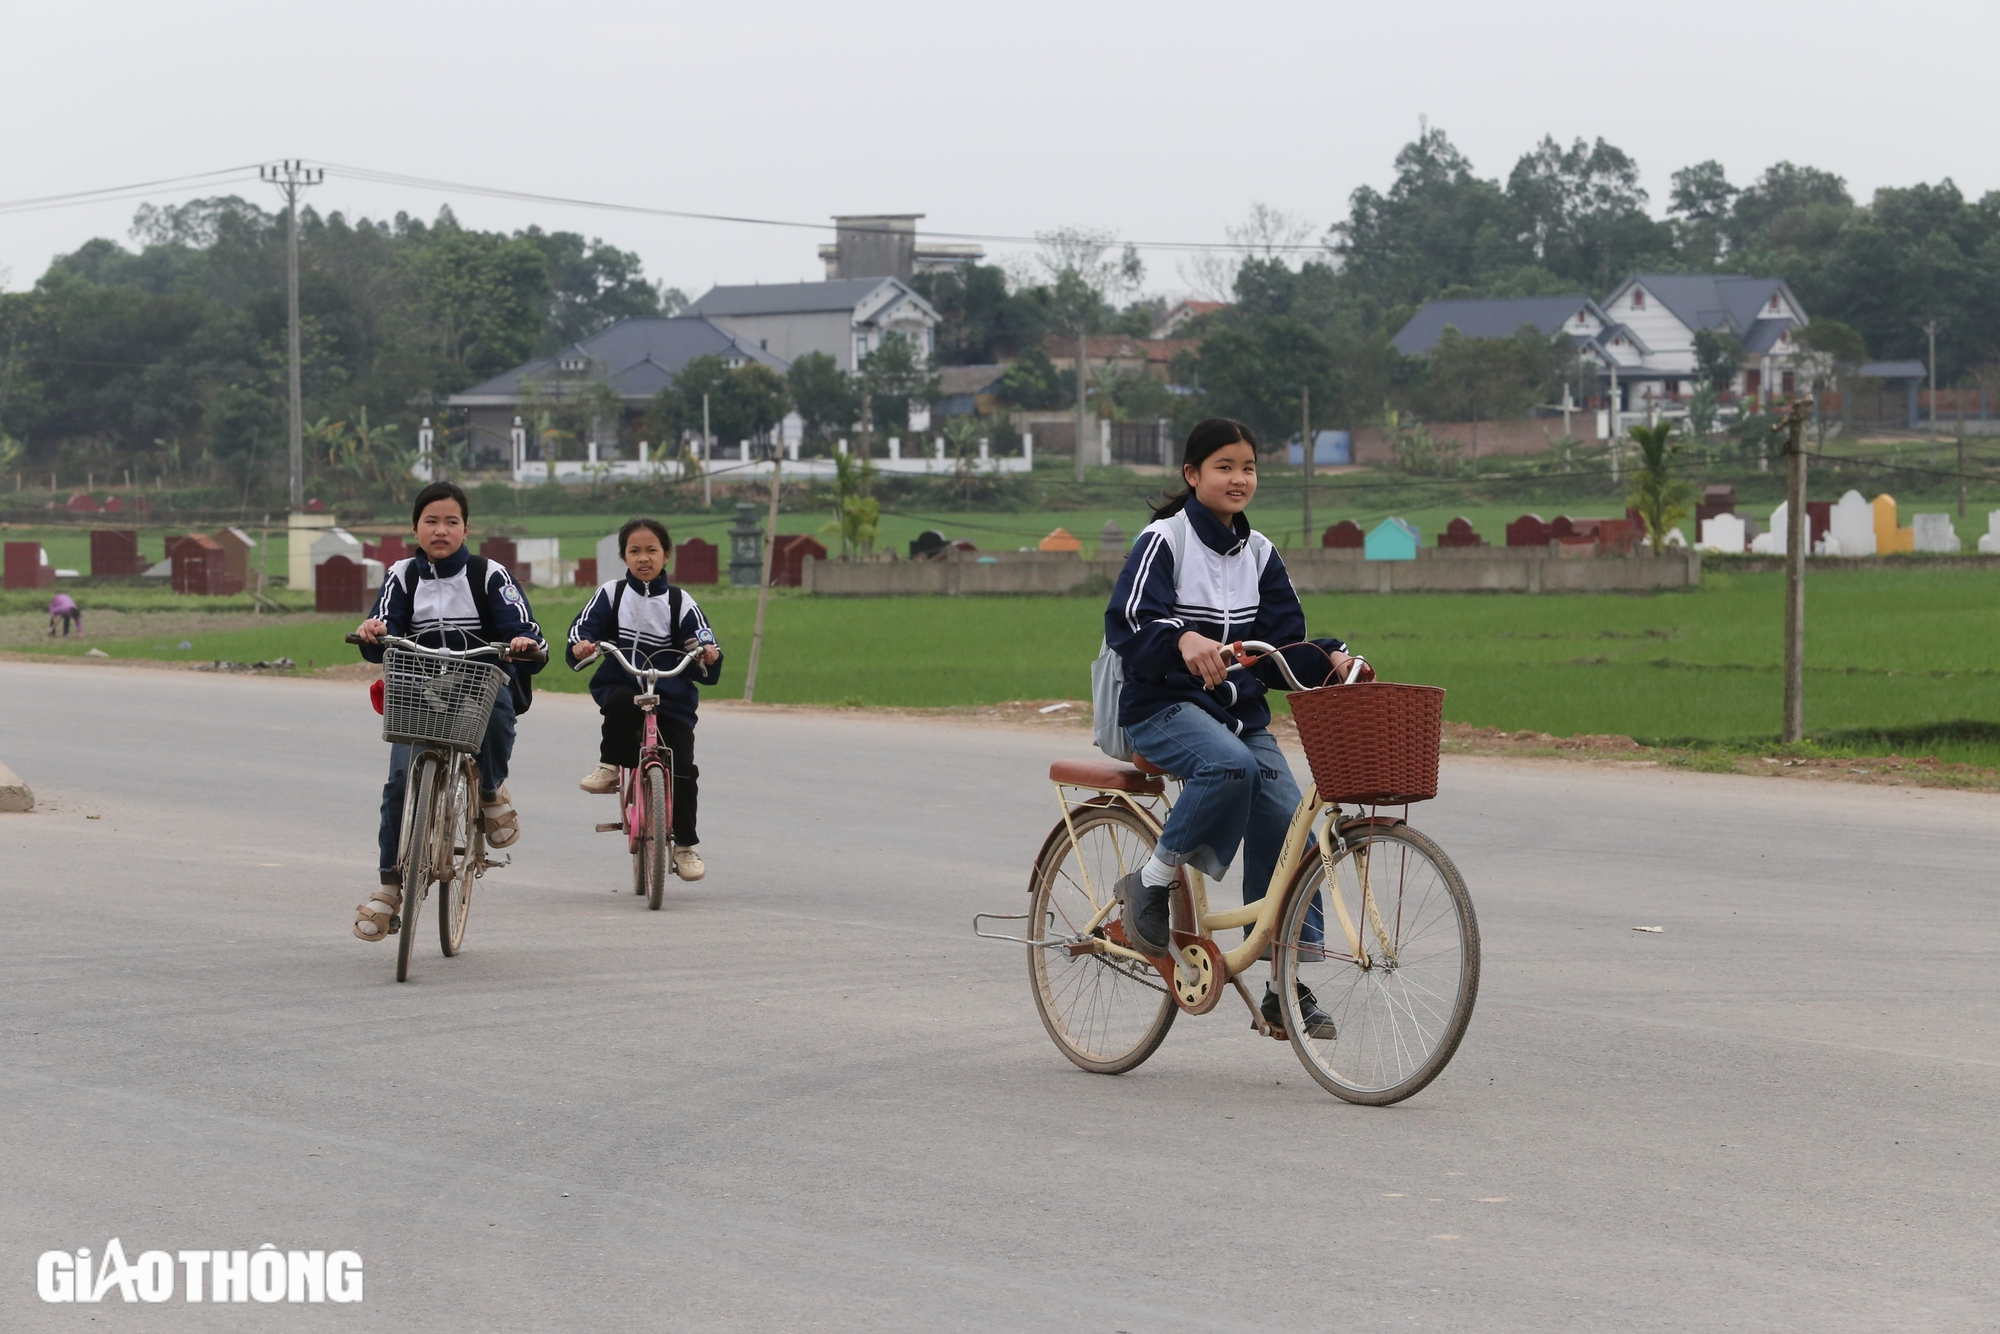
{"x":435,"y":604}
{"x":1234,"y":586}
{"x":638,"y":621}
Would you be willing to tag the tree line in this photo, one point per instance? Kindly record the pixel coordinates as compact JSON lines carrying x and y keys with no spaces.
{"x":166,"y":357}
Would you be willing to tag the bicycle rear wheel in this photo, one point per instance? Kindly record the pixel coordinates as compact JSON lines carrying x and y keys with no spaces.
{"x":460,"y":849}
{"x":419,"y":819}
{"x":1400,"y":1009}
{"x":654,"y":781}
{"x":1106,"y":1014}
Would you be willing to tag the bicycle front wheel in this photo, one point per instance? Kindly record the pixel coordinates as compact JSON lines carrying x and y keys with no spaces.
{"x":419,"y":849}
{"x":460,"y":849}
{"x":1399,"y":1002}
{"x":657,"y":836}
{"x":1106,"y":1014}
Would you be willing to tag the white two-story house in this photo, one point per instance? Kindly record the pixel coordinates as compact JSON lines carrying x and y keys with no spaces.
{"x":1639,"y":342}
{"x":846,"y":319}
{"x":1647,"y":352}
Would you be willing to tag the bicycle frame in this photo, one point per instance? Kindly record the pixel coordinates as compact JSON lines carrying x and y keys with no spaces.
{"x":652,"y":755}
{"x":1261,"y":917}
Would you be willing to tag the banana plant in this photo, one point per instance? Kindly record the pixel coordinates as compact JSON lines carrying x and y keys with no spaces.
{"x":1660,"y":497}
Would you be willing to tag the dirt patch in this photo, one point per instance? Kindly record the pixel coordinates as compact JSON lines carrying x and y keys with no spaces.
{"x":1889,"y":770}
{"x":28,"y":632}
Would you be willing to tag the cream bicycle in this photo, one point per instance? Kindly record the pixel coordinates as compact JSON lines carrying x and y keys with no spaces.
{"x":1395,"y":967}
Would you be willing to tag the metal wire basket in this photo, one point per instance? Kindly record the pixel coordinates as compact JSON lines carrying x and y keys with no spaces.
{"x":1372,"y":745}
{"x":437,"y":701}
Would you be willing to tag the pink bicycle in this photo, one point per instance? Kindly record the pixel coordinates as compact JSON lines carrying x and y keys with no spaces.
{"x":646,"y":794}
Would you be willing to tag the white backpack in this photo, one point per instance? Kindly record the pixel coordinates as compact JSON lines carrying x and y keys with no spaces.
{"x":1107,"y":674}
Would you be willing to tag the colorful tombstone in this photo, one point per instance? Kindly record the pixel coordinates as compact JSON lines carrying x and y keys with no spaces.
{"x":1851,"y":527}
{"x":1459,"y":533}
{"x":200,"y":567}
{"x":340,"y":585}
{"x":788,"y":558}
{"x":696,"y":562}
{"x":1528,"y":531}
{"x":1889,"y":539}
{"x":237,"y":547}
{"x":1725,"y":533}
{"x":1344,"y":536}
{"x":1393,"y":539}
{"x":1060,"y":540}
{"x":1773,"y":543}
{"x":1933,"y":533}
{"x":27,"y":566}
{"x":114,"y":553}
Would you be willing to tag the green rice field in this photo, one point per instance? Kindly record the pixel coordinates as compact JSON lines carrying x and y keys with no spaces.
{"x":1897,"y":660}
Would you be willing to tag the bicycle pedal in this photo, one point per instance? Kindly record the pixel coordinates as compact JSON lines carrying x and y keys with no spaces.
{"x":615,"y":827}
{"x":395,"y":924}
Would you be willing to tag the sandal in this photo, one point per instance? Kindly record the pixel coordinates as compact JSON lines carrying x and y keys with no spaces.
{"x":376,"y":919}
{"x":503,"y":827}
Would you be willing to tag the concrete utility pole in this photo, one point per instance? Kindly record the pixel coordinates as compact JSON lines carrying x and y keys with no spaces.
{"x":1796,"y":542}
{"x":1930,"y":332}
{"x":1306,"y":456}
{"x":707,"y":458}
{"x":764,"y":585}
{"x":292,"y":176}
{"x":1082,"y":383}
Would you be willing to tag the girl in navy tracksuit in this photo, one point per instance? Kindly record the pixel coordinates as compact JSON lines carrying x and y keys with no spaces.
{"x":1198,"y":578}
{"x":645,"y":616}
{"x":446,"y":597}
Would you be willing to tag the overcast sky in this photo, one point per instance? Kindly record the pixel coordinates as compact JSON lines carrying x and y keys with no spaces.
{"x":1162,"y":121}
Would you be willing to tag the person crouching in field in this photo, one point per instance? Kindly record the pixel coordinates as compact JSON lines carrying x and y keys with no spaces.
{"x":645,"y":616}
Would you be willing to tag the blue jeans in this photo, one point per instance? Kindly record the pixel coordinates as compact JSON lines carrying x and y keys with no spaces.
{"x":1233,"y":790}
{"x":494,"y":754}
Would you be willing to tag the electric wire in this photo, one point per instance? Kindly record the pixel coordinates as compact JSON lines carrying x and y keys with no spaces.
{"x":137,"y":189}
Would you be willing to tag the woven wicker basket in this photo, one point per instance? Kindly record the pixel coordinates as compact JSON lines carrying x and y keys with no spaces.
{"x":1373,"y":744}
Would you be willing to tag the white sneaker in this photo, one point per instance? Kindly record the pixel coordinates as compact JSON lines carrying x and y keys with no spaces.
{"x":603,"y":780}
{"x":687,"y":864}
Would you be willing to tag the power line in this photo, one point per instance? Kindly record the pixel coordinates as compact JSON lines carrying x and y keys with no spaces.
{"x":112,"y":193}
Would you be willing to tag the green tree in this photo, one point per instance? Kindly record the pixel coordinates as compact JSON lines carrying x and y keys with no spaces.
{"x":982,"y":318}
{"x":894,"y":377}
{"x":1660,"y":497}
{"x":823,"y":394}
{"x":1437,"y":226}
{"x":1471,"y":379}
{"x":1700,"y":206}
{"x":1717,"y":354}
{"x":1035,"y":383}
{"x":483,"y":297}
{"x":1582,"y":212}
{"x":754,"y":400}
{"x":1256,"y":374}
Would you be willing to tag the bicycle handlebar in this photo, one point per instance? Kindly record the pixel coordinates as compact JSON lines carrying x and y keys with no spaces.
{"x":645,"y":676}
{"x":1246,"y":652}
{"x":501,"y":651}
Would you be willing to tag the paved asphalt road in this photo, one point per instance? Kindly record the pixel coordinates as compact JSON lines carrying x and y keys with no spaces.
{"x":804,"y":1097}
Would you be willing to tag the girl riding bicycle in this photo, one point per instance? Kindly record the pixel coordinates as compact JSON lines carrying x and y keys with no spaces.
{"x":1198,"y":578}
{"x":446,"y":597}
{"x":644,"y":614}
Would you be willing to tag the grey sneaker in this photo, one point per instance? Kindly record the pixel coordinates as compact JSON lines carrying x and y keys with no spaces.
{"x":1146,"y":922}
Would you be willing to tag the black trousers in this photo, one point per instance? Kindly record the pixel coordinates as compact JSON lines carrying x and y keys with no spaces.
{"x":624,"y":724}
